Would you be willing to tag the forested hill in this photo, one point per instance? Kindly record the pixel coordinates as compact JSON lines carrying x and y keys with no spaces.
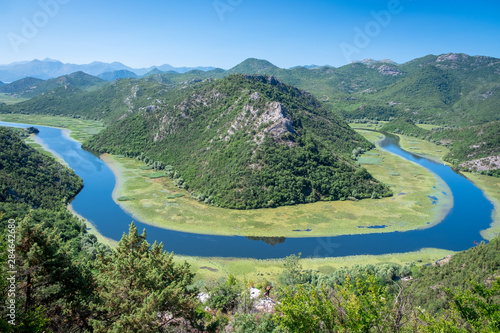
{"x":27,"y":176}
{"x":245,"y":142}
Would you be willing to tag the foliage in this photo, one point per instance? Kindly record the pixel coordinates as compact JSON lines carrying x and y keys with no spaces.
{"x":51,"y":284}
{"x":258,"y":323}
{"x":30,"y":177}
{"x":224,"y":295}
{"x":136,"y":283}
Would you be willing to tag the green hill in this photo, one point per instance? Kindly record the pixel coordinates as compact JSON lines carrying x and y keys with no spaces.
{"x":20,"y":86}
{"x":107,"y":102}
{"x":473,"y":148}
{"x":405,"y":127}
{"x":30,"y":87}
{"x":254,"y":66}
{"x":246,"y":142}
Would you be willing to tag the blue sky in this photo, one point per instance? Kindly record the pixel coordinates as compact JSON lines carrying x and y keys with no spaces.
{"x":223,"y":33}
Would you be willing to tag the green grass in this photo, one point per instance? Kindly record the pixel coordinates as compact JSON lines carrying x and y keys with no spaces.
{"x":369,"y":160}
{"x":9,"y":99}
{"x":368,"y":126}
{"x":80,"y":129}
{"x":156,"y":205}
{"x":425,"y":148}
{"x":156,"y":174}
{"x":255,"y":271}
{"x":428,"y":127}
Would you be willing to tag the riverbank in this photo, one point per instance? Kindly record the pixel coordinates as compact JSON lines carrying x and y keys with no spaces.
{"x":491,"y":188}
{"x":76,"y":129}
{"x":254,"y":270}
{"x":158,"y":202}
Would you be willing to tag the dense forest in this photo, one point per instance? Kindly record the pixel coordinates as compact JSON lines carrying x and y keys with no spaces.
{"x":246,"y":142}
{"x":32,"y":178}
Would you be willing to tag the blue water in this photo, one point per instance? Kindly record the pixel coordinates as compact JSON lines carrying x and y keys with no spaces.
{"x":470,"y":214}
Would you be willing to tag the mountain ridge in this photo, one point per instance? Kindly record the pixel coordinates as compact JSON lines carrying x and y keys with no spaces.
{"x":49,"y":69}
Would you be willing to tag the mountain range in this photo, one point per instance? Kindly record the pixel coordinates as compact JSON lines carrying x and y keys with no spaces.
{"x":458,"y":91}
{"x":49,"y":69}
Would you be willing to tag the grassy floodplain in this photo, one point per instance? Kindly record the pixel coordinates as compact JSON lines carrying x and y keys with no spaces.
{"x":157,"y":201}
{"x":9,"y":99}
{"x":423,"y":148}
{"x":258,"y":271}
{"x":79,"y":129}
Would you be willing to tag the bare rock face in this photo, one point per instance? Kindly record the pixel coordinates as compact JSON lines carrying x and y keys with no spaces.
{"x":453,"y":57}
{"x":278,"y":119}
{"x":388,"y":70}
{"x":483,"y":164}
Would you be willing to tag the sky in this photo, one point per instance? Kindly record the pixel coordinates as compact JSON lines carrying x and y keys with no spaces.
{"x":223,"y":33}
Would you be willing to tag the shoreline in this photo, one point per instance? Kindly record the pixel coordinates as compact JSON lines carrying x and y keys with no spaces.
{"x":92,"y":229}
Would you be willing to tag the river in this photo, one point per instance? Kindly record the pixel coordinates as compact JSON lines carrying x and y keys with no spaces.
{"x":458,"y":231}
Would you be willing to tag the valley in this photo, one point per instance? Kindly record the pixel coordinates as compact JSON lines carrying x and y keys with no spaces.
{"x":237,"y":171}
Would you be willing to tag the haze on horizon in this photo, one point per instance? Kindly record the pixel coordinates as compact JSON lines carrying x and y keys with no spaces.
{"x":222,"y":33}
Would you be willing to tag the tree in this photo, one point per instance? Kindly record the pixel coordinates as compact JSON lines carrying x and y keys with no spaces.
{"x":51,"y":286}
{"x":141,"y":289}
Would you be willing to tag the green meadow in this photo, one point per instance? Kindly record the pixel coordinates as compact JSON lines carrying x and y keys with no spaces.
{"x":9,"y":99}
{"x":155,"y":200}
{"x":256,"y":271}
{"x":423,"y":148}
{"x":80,"y":129}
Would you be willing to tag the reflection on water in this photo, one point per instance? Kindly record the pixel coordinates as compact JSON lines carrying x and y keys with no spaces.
{"x":269,"y":240}
{"x":458,"y":231}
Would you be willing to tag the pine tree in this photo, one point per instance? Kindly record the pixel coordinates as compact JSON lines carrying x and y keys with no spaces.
{"x":141,"y":289}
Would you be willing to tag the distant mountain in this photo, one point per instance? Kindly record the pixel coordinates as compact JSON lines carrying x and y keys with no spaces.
{"x":245,"y":141}
{"x":254,"y":66}
{"x":155,"y":71}
{"x":49,"y":68}
{"x":306,"y":66}
{"x":120,"y":74}
{"x":370,"y":62}
{"x":31,"y":87}
{"x":1,"y":83}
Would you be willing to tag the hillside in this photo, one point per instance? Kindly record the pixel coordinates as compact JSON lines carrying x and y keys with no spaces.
{"x":405,"y":127}
{"x":107,"y":102}
{"x":30,"y":87}
{"x":246,"y":142}
{"x":27,"y":176}
{"x":450,"y":89}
